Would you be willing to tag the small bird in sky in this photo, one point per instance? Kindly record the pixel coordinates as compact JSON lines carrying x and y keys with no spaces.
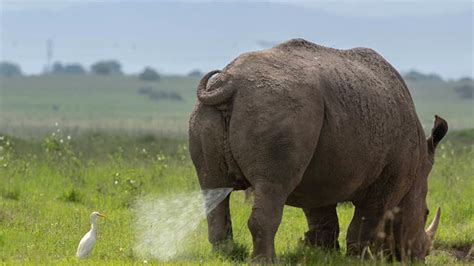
{"x":88,"y":240}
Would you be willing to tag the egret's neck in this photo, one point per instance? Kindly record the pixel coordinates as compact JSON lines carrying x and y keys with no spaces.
{"x":93,"y":226}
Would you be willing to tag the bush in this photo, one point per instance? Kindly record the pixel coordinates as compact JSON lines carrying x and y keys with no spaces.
{"x":159,"y":95}
{"x":8,"y":69}
{"x":57,"y":68}
{"x":73,"y":69}
{"x":149,"y":74}
{"x":107,"y":67}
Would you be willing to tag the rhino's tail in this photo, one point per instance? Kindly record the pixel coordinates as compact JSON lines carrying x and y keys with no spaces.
{"x":215,"y":96}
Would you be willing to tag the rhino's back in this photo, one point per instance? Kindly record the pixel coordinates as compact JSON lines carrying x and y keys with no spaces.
{"x":362,"y":92}
{"x":297,"y":61}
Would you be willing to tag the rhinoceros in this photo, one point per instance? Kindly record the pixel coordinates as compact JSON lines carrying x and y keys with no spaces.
{"x":310,"y":127}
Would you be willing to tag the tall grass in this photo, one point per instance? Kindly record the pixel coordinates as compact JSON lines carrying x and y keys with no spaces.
{"x":51,"y":185}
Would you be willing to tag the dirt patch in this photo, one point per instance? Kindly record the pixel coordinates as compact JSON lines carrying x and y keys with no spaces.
{"x":463,"y":253}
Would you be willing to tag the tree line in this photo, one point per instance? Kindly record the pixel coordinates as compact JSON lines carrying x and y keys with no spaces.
{"x":463,"y":87}
{"x":102,"y":68}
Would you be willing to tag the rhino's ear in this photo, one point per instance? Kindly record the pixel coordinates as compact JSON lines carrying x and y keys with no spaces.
{"x":439,"y":130}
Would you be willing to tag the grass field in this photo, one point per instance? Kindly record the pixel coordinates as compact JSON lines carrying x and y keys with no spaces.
{"x":70,"y":145}
{"x":30,"y":106}
{"x":50,"y":187}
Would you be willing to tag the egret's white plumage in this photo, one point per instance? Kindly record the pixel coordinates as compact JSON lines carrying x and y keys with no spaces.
{"x":88,"y":240}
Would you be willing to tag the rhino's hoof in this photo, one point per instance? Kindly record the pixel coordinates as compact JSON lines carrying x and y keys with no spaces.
{"x":322,"y":239}
{"x":225,"y":247}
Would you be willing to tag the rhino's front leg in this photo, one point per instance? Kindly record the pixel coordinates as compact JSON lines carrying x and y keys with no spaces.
{"x":263,"y":223}
{"x":219,"y":226}
{"x":323,"y":227}
{"x":362,"y":230}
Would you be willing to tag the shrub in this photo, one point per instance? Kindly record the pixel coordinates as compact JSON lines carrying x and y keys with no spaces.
{"x":149,"y":74}
{"x":73,"y":69}
{"x":107,"y":67}
{"x":8,"y":69}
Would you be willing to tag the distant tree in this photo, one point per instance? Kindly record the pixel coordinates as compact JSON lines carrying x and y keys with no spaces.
{"x":465,"y":88}
{"x":8,"y":69}
{"x":418,"y":76}
{"x":196,"y":73}
{"x":149,"y":74}
{"x":107,"y":67}
{"x":75,"y":69}
{"x":72,"y":69}
{"x":57,"y":68}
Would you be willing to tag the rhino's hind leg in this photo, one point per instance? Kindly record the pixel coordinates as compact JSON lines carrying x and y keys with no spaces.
{"x":266,"y":216}
{"x":205,"y":146}
{"x":323,"y":227}
{"x":273,"y":140}
{"x":220,"y":227}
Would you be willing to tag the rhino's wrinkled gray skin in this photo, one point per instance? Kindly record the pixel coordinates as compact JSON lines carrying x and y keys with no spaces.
{"x":310,"y":127}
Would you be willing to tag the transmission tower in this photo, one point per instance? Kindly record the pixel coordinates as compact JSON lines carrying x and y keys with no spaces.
{"x":49,"y":55}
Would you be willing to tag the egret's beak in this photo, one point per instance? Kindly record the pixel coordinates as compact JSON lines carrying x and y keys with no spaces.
{"x":102,"y":215}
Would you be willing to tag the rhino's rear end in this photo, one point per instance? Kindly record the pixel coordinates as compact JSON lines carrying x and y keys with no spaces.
{"x":310,"y":126}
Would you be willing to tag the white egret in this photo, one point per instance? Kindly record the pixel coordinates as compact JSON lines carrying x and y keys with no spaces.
{"x":88,"y":240}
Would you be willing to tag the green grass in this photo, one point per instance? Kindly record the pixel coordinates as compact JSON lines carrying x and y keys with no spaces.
{"x":49,"y":189}
{"x":113,"y":103}
{"x":93,"y":102}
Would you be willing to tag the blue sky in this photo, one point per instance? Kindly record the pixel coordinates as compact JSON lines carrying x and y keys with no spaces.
{"x":341,"y":7}
{"x":176,"y":37}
